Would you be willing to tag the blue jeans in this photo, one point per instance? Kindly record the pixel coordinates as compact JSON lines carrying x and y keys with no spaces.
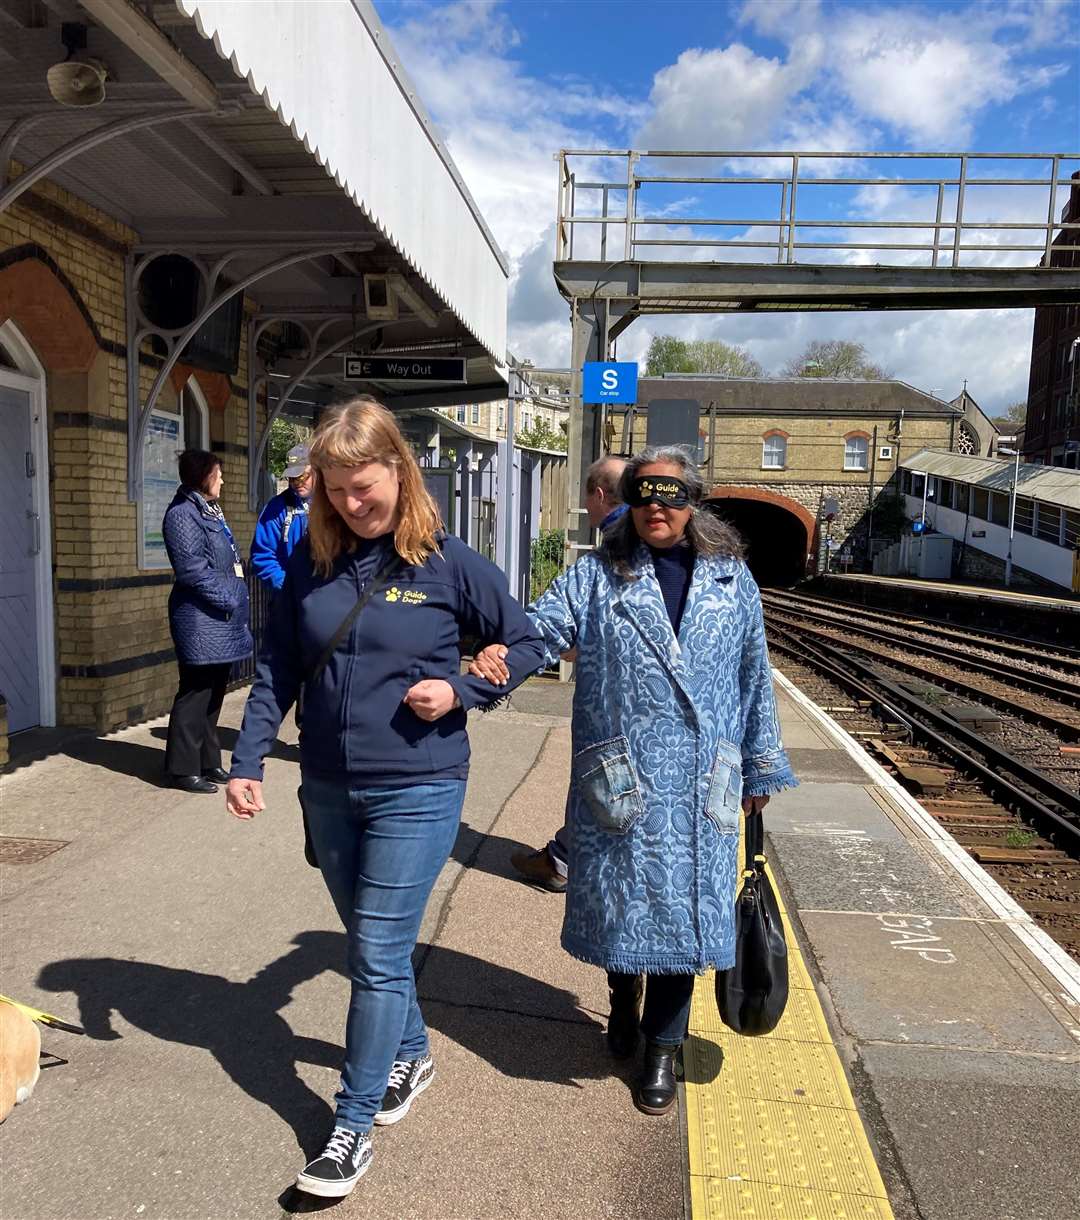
{"x":666,"y":1011}
{"x":380,"y":851}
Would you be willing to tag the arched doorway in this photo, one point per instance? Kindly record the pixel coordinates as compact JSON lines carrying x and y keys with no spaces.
{"x":27,"y":657}
{"x":778,"y":532}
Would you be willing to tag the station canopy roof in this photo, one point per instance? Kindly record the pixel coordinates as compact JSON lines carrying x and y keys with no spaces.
{"x":294,"y":127}
{"x":1047,"y":484}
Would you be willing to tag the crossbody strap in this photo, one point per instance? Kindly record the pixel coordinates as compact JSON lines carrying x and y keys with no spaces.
{"x":370,"y":589}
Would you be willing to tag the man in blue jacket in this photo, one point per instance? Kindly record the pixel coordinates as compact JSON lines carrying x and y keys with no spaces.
{"x":283,"y":522}
{"x":547,"y":867}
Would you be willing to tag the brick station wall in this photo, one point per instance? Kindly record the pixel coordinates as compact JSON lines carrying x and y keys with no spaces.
{"x":814,"y":469}
{"x":62,"y":284}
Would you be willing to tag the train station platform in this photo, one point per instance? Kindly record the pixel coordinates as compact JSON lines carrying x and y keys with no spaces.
{"x":957,"y":589}
{"x":927,"y":1065}
{"x":1028,"y":615}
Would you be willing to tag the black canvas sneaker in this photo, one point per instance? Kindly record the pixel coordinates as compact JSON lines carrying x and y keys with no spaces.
{"x":408,"y":1078}
{"x":340,"y":1165}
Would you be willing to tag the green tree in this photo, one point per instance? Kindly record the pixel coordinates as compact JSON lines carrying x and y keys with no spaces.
{"x":668,"y":354}
{"x":546,"y":558}
{"x":541,"y":435}
{"x":1015,"y":416}
{"x":835,"y":358}
{"x":283,"y":436}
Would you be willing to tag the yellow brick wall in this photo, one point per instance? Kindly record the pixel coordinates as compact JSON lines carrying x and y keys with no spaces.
{"x":815,"y":446}
{"x":94,"y":527}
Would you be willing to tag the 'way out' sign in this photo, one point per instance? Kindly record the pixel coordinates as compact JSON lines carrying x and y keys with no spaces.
{"x":609,"y":381}
{"x":404,"y":368}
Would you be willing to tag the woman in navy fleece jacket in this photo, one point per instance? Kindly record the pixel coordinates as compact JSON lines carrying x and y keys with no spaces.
{"x":383,"y":747}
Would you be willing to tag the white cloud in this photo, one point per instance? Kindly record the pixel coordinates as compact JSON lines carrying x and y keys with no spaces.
{"x":727,"y":98}
{"x":841,"y":77}
{"x":924,"y":80}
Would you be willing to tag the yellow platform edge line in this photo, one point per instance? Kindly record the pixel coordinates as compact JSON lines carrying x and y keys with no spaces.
{"x":819,"y":1146}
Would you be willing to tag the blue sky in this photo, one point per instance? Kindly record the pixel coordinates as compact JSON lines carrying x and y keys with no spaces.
{"x":511,"y":82}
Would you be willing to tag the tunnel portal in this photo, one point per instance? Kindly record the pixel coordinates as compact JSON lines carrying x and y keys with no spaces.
{"x":776,"y":537}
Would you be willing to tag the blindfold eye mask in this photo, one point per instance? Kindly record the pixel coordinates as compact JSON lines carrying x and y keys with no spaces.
{"x":659,"y":490}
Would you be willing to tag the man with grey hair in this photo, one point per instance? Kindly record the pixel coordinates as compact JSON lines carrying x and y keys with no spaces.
{"x":547,"y":867}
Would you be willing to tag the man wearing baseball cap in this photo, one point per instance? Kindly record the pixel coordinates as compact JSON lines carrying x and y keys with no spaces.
{"x":283,"y":522}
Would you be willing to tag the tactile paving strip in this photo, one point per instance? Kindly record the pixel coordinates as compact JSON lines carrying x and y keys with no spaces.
{"x":718,"y":1199}
{"x":803,"y":1020}
{"x":803,"y":1073}
{"x":772,"y":1126}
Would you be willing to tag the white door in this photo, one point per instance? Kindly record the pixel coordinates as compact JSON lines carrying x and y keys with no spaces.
{"x":20,"y":545}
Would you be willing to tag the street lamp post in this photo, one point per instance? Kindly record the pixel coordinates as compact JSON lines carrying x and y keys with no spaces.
{"x":1015,"y":455}
{"x":925,"y":493}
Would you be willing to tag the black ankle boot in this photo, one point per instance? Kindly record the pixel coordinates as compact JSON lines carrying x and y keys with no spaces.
{"x":655,"y":1092}
{"x":622,"y":1030}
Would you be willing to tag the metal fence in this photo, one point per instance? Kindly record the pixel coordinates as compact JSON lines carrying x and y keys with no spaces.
{"x":259,"y":609}
{"x":817,"y":207}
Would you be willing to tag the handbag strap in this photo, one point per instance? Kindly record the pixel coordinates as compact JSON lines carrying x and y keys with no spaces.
{"x":345,"y":626}
{"x":754,"y":842}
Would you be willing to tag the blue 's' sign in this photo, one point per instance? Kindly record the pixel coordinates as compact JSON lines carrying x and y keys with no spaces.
{"x":609,"y":381}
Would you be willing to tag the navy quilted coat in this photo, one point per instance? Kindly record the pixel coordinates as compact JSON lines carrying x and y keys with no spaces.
{"x":208,"y":605}
{"x":668,"y":735}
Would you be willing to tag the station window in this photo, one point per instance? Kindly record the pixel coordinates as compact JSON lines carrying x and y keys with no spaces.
{"x":502,"y":416}
{"x":855,"y":452}
{"x":945,"y":492}
{"x":475,"y":413}
{"x":999,"y":508}
{"x":193,"y":409}
{"x":980,"y":503}
{"x":1024,"y":520}
{"x":1048,"y":526}
{"x":1072,"y":528}
{"x":460,"y":412}
{"x":774,"y":452}
{"x":961,"y":497}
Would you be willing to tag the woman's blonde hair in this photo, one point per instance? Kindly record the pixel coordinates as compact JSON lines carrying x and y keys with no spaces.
{"x":356,"y":432}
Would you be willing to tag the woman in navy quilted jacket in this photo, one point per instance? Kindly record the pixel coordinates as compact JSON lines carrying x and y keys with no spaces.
{"x":208,"y":618}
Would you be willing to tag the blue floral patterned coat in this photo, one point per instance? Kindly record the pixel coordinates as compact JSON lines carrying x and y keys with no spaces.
{"x":668,"y":736}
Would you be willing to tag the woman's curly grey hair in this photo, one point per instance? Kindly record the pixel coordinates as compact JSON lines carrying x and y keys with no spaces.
{"x":707,"y":534}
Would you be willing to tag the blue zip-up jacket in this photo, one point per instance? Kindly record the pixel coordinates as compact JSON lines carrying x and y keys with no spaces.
{"x":356,"y":727}
{"x":273,"y":543}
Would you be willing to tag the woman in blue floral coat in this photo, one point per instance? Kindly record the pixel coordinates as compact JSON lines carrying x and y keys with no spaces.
{"x":674,"y":727}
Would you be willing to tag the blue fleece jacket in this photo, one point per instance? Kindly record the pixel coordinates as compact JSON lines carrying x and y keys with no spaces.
{"x":356,"y":727}
{"x":273,"y":542}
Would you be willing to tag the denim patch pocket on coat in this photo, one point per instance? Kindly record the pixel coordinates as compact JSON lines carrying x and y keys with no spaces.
{"x":607,"y":782}
{"x":725,"y":787}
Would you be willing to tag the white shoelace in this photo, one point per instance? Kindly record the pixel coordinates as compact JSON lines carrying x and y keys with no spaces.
{"x":340,"y":1144}
{"x":398,"y":1073}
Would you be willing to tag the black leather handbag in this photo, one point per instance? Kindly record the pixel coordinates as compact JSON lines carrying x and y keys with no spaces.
{"x":752,"y":995}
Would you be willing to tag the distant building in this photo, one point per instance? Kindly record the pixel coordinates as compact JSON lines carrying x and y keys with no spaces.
{"x":548,"y":402}
{"x":976,"y":434}
{"x":1052,"y":430}
{"x":799,"y":464}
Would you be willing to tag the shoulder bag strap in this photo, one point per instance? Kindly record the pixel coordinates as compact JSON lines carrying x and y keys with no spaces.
{"x":370,"y":589}
{"x":755,"y":841}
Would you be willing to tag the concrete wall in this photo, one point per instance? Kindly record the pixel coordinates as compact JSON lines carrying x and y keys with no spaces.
{"x":62,"y":284}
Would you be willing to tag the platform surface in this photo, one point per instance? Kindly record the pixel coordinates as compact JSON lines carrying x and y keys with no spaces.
{"x":927,"y":1066}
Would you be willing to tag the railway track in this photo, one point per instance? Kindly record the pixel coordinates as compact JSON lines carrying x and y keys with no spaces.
{"x":1027,"y":652}
{"x":1019,"y":822}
